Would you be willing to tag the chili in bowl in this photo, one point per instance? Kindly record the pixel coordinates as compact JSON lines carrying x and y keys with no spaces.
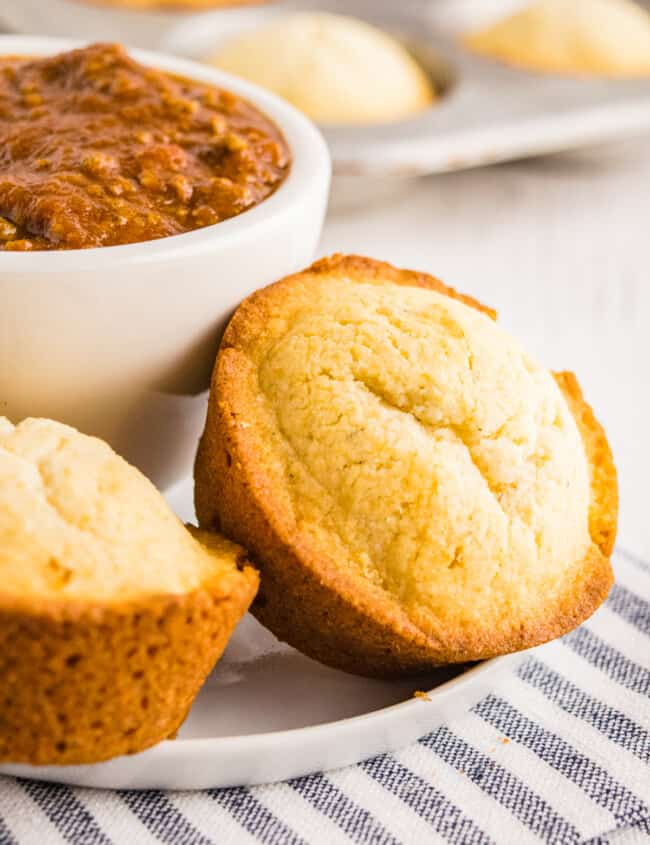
{"x":98,"y":150}
{"x":141,"y":198}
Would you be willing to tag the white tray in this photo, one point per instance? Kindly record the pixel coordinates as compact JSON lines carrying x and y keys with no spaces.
{"x":268,"y":713}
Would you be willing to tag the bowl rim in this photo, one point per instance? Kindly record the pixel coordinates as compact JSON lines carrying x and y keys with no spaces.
{"x":310,"y":169}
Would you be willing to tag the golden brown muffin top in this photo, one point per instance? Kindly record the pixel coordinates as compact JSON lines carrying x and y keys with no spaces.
{"x":78,"y":522}
{"x":418,"y":446}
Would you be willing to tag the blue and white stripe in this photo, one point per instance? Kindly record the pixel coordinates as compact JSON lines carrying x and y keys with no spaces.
{"x":560,"y":754}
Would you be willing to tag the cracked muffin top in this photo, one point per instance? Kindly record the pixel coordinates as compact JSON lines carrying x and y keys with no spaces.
{"x":78,"y":522}
{"x":400,"y":437}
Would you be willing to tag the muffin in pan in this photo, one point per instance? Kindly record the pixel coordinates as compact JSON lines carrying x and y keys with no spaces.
{"x":176,"y":5}
{"x":111,"y":613}
{"x":415,"y":489}
{"x":335,"y":68}
{"x":589,"y":38}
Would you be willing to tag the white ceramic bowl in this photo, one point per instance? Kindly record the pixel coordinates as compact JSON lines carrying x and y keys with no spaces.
{"x":119,"y":341}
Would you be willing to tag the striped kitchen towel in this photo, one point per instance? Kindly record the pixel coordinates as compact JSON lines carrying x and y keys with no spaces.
{"x":559,"y":754}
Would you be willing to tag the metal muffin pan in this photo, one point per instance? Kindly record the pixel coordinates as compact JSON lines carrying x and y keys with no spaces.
{"x":488,"y":112}
{"x":491,"y":113}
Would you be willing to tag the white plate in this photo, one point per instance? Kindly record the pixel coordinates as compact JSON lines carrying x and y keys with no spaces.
{"x":268,"y":713}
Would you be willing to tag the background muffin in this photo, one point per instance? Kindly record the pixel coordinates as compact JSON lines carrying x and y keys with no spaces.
{"x":334,"y":68}
{"x":179,"y":5}
{"x":574,"y":37}
{"x":415,"y":488}
{"x":111,"y":613}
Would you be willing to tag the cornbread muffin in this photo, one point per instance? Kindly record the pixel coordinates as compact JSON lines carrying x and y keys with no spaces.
{"x":176,"y":5}
{"x":111,"y":613}
{"x":334,"y":68}
{"x":609,"y":38}
{"x":414,"y":487}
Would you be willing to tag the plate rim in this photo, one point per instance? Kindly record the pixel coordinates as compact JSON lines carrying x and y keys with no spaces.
{"x":170,"y":746}
{"x":199,"y":763}
{"x":484,"y":667}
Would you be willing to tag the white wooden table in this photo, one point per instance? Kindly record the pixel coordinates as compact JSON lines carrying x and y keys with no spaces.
{"x":561,"y":247}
